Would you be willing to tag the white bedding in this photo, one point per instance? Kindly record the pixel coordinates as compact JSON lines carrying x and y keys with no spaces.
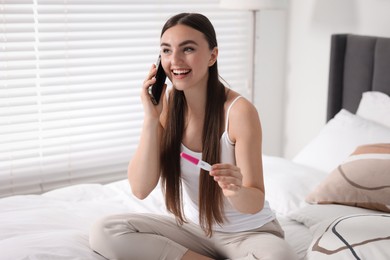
{"x":55,"y":225}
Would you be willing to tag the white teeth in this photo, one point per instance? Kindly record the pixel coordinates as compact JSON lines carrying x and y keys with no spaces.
{"x":180,"y":72}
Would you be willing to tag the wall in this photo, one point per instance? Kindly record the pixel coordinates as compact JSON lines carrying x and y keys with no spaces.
{"x":270,"y":61}
{"x":310,"y":24}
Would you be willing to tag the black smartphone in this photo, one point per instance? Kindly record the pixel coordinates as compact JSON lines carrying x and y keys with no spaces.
{"x":155,"y":90}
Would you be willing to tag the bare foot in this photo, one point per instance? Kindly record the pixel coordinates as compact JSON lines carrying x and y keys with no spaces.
{"x":191,"y":255}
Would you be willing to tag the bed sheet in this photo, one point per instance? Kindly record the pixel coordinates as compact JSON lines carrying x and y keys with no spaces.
{"x":55,"y":225}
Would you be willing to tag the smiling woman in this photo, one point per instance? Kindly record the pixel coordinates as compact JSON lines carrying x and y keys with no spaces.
{"x":216,"y":214}
{"x":69,"y":76}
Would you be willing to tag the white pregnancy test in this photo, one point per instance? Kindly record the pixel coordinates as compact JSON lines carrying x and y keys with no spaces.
{"x":204,"y":165}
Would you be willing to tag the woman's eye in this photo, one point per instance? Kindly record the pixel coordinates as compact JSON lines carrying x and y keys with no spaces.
{"x":188,"y":49}
{"x":166,"y":51}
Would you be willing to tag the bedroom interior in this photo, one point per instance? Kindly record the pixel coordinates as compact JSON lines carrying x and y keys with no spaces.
{"x":325,"y":115}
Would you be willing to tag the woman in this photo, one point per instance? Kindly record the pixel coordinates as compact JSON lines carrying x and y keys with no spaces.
{"x":218,"y":214}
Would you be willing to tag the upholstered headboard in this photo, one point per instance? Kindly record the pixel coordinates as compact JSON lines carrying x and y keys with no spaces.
{"x":357,"y":64}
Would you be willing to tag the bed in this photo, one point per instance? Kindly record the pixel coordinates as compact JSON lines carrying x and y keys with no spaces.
{"x":332,"y":199}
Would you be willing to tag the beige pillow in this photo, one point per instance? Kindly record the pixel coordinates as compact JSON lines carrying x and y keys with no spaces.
{"x":363,"y":180}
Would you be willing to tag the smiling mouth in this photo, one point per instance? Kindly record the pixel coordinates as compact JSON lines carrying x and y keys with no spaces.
{"x":180,"y":72}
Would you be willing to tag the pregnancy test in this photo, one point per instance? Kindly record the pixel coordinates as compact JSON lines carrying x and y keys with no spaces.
{"x":204,"y":165}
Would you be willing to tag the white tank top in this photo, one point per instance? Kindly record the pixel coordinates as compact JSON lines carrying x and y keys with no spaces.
{"x":235,"y":221}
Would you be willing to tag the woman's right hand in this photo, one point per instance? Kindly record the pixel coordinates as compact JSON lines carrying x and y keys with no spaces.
{"x":150,"y":109}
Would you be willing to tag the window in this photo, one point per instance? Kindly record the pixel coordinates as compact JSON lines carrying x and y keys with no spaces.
{"x":70,"y":76}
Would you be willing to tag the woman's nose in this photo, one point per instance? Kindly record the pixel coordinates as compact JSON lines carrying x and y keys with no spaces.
{"x":176,"y":58}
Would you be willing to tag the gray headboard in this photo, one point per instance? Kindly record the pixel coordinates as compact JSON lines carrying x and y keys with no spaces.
{"x":357,"y":64}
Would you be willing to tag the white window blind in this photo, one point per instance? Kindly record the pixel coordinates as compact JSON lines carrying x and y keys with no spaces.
{"x":70,"y":77}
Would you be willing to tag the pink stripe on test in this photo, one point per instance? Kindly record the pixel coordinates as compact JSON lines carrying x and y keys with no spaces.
{"x":189,"y":158}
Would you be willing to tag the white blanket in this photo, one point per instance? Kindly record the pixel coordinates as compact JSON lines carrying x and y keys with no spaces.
{"x":55,"y":225}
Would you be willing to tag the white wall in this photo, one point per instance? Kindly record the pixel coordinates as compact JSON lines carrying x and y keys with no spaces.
{"x":303,"y":99}
{"x":270,"y":62}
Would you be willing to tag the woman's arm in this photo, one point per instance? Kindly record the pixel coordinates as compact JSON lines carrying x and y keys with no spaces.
{"x":243,"y":184}
{"x":144,"y":168}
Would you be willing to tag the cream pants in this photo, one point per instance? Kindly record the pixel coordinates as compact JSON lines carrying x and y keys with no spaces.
{"x":149,"y":237}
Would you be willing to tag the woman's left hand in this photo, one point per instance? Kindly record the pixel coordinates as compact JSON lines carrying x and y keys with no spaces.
{"x":229,"y":178}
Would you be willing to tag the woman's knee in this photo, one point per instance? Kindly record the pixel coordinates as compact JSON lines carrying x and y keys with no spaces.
{"x":107,"y":231}
{"x":103,"y":232}
{"x":127,"y":237}
{"x":97,"y":233}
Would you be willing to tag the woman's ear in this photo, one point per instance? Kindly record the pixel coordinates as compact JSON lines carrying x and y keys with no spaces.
{"x":214,"y":56}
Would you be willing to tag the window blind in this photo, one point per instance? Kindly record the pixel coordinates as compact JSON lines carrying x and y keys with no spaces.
{"x":70,"y":79}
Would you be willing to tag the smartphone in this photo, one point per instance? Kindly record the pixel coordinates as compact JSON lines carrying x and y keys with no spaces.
{"x":155,"y":90}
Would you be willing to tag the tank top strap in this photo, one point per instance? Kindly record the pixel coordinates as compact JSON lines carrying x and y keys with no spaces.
{"x":228,"y":111}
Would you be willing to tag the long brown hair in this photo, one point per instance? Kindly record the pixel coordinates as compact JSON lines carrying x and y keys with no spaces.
{"x":210,"y":194}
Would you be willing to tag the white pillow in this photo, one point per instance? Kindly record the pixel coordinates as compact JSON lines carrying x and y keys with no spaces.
{"x":287,"y":183}
{"x":375,"y":106}
{"x":338,"y":139}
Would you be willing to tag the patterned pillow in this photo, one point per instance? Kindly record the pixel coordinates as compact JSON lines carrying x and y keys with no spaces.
{"x":363,"y":180}
{"x":361,"y":236}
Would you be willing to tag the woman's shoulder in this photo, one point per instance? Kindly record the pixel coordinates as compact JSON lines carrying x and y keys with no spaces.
{"x":244,"y":120}
{"x":239,"y":105}
{"x":242,"y":116}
